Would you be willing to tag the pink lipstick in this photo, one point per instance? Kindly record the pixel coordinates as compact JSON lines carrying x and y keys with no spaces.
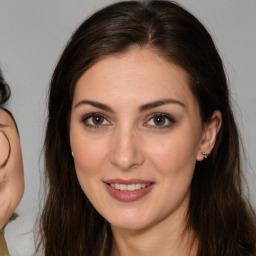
{"x":128,"y":190}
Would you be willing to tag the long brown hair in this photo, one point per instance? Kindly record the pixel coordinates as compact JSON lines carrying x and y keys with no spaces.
{"x":223,"y":222}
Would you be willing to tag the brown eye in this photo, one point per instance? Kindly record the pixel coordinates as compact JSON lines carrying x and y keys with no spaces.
{"x":159,"y":120}
{"x":95,"y":120}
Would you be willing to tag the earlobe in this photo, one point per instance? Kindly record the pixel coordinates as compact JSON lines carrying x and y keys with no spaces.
{"x":209,"y":136}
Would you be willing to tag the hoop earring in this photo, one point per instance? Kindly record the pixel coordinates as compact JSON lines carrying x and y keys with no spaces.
{"x":205,"y":155}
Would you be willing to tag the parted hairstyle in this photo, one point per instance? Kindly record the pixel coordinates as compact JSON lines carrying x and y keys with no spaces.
{"x":222,"y":219}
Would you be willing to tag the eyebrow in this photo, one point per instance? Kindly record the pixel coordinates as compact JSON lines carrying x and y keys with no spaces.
{"x":142,"y":108}
{"x":158,"y":103}
{"x":95,"y":104}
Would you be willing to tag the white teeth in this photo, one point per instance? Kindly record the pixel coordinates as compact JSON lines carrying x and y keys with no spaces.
{"x":131,"y":187}
{"x":122,"y":187}
{"x":128,"y":187}
{"x":138,"y":186}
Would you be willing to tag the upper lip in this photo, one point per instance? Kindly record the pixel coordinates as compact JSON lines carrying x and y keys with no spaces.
{"x":127,"y":182}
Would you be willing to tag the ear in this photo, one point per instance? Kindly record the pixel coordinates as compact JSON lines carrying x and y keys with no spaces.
{"x":209,"y":135}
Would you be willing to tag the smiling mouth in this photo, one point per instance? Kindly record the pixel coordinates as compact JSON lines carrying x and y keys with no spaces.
{"x":128,"y":190}
{"x":129,"y":187}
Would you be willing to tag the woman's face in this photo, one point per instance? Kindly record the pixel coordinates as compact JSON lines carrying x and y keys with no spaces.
{"x":135,"y":133}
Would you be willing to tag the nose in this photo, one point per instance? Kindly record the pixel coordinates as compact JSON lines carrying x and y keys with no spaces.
{"x":126,"y":150}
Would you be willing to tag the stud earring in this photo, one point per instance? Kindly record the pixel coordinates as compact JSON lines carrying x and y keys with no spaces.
{"x":72,"y":154}
{"x":205,"y":154}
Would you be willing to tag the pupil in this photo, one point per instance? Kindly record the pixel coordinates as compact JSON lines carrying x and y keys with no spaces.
{"x":159,"y":120}
{"x":97,"y":120}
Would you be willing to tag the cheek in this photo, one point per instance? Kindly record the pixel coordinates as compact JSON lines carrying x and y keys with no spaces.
{"x":88,"y":154}
{"x":175,"y":152}
{"x":89,"y":157}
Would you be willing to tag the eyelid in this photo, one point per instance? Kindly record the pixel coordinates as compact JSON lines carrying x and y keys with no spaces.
{"x":94,"y":114}
{"x":170,"y":118}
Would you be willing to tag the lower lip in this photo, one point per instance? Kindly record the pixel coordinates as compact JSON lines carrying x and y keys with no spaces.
{"x":128,"y":196}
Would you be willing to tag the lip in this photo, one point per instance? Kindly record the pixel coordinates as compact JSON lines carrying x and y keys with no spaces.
{"x":128,"y":196}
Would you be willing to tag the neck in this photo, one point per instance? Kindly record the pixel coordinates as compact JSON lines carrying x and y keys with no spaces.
{"x":168,"y":237}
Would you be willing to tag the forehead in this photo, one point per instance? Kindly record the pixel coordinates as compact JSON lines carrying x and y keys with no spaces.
{"x":137,"y":75}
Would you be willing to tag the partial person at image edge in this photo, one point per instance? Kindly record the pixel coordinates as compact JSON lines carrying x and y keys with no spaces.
{"x":11,"y":167}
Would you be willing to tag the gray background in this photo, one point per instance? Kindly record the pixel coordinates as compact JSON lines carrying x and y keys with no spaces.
{"x":32,"y":36}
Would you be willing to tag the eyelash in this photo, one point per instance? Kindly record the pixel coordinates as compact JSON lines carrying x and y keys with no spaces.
{"x":168,"y":118}
{"x":92,"y":115}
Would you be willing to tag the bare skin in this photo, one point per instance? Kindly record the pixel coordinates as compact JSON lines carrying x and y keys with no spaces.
{"x":11,"y":170}
{"x":170,"y":240}
{"x":135,"y":120}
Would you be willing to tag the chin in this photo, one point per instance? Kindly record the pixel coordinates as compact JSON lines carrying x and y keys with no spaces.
{"x":132,"y":225}
{"x":129,"y":220}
